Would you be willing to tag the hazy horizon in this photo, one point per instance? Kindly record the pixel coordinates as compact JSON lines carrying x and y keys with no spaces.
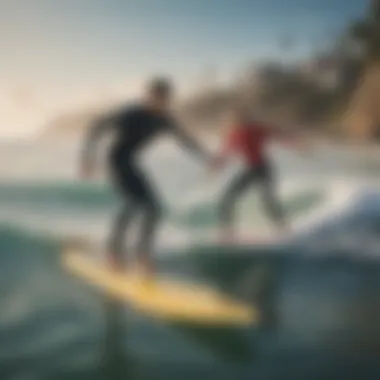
{"x":59,"y":55}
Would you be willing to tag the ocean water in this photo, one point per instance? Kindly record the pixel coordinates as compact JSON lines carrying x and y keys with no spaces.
{"x":319,"y":291}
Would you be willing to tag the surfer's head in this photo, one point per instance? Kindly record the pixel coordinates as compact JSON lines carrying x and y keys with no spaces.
{"x":159,"y":93}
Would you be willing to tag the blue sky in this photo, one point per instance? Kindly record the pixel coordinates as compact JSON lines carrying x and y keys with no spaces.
{"x":60,"y":50}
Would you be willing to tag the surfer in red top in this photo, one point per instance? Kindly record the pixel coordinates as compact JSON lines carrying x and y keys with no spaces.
{"x":249,"y":139}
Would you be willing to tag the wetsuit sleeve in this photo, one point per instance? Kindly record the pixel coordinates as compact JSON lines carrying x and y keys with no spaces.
{"x":95,"y":132}
{"x":186,"y":140}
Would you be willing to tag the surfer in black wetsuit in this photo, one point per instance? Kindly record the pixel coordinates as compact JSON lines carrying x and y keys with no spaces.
{"x":135,"y":128}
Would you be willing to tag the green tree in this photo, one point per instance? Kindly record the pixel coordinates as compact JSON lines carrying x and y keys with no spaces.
{"x":366,"y":32}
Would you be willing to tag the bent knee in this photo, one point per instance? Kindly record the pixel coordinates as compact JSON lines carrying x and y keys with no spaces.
{"x":153,"y":209}
{"x":228,"y":200}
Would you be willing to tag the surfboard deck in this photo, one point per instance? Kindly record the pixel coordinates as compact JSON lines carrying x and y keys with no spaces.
{"x":164,"y":297}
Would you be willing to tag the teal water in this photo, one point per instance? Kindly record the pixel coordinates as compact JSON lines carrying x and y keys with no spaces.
{"x":204,"y":214}
{"x":321,"y":313}
{"x":78,"y":200}
{"x":319,"y":295}
{"x":59,"y":193}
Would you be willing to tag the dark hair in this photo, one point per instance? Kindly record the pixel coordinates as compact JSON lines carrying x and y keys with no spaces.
{"x":160,"y":86}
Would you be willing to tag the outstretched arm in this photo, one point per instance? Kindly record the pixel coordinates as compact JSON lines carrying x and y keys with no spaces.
{"x":96,"y":131}
{"x":188,"y":142}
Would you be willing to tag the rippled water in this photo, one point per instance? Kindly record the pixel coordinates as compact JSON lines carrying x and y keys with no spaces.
{"x":319,"y":292}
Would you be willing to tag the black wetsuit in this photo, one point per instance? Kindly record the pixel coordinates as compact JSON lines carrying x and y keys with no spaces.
{"x":261,"y":175}
{"x":135,"y":128}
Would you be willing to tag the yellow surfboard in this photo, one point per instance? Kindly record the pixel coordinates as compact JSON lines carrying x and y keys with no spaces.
{"x":164,"y":298}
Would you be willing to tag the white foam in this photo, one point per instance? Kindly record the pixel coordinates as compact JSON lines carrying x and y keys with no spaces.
{"x":339,"y":195}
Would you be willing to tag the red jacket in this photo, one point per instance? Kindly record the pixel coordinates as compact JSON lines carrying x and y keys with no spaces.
{"x":249,"y":141}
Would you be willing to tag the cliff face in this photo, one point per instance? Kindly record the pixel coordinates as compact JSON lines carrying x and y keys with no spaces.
{"x":295,"y":95}
{"x":284,"y":96}
{"x":313,"y":94}
{"x":362,"y":118}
